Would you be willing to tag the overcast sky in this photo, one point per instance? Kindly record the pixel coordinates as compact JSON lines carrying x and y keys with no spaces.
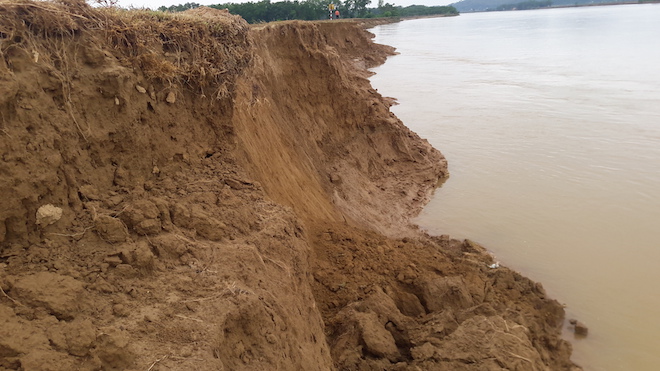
{"x":155,"y":4}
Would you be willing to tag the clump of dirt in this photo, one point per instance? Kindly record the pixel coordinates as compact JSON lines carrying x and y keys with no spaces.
{"x":430,"y":303}
{"x":187,"y":192}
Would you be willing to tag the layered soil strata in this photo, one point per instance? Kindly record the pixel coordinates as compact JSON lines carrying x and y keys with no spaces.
{"x":184,"y":192}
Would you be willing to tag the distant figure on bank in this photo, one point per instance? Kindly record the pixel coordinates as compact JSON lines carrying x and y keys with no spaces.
{"x":336,"y":14}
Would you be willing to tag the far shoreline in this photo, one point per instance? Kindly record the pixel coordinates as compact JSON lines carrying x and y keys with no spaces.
{"x":571,"y":6}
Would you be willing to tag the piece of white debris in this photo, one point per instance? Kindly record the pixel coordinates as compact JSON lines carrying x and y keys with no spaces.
{"x":171,"y":97}
{"x":494,"y":265}
{"x":48,"y":214}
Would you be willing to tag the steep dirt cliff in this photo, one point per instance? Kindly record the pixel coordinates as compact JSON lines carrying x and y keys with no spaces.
{"x":184,"y":192}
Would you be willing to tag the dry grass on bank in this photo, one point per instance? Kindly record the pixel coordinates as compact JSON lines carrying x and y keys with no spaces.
{"x":200,"y":48}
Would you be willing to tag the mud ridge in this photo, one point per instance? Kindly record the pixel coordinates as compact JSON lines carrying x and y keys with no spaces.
{"x":186,"y":192}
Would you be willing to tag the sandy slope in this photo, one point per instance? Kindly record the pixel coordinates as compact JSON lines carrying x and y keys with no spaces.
{"x":230,"y":198}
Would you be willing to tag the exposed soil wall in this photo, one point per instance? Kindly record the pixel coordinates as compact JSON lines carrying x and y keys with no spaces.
{"x":184,"y":192}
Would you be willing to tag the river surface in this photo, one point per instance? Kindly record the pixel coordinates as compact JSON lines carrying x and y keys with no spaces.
{"x":550,"y":121}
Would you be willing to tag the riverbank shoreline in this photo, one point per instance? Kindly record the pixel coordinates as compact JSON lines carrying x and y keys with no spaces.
{"x":574,"y":6}
{"x":189,"y":192}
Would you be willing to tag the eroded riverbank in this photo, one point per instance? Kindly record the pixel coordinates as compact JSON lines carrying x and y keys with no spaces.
{"x":227,"y":197}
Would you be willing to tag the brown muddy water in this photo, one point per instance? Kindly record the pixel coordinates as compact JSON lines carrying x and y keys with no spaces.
{"x":550,"y":121}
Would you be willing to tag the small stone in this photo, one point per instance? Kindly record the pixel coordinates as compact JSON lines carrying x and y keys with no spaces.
{"x":113,"y":261}
{"x":140,"y":89}
{"x":112,"y":349}
{"x":116,"y":101}
{"x":113,"y":201}
{"x":236,"y":184}
{"x":572,"y":321}
{"x":171,"y":97}
{"x":80,"y":336}
{"x":186,"y":352}
{"x":120,"y":310}
{"x":101,"y":285}
{"x":335,"y":179}
{"x":89,"y":192}
{"x":423,"y":352}
{"x":148,"y":227}
{"x":110,"y":229}
{"x":152,"y":92}
{"x":122,"y":177}
{"x":581,"y":329}
{"x":125,"y":270}
{"x":376,"y":339}
{"x":272,"y":339}
{"x":48,"y":214}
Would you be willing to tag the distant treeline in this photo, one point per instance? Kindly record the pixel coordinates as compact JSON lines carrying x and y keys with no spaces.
{"x":466,"y":6}
{"x":525,"y":5}
{"x":414,"y":10}
{"x":267,"y":11}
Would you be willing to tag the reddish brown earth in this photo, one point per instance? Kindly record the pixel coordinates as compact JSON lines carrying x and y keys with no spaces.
{"x":230,"y":198}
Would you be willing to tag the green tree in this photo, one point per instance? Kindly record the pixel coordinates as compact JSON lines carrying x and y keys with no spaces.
{"x":179,"y":8}
{"x":356,"y":8}
{"x":388,"y":10}
{"x":525,"y":5}
{"x":415,"y":10}
{"x":267,"y":11}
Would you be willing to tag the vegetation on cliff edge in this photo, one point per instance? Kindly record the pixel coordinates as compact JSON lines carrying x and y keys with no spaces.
{"x":267,"y":11}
